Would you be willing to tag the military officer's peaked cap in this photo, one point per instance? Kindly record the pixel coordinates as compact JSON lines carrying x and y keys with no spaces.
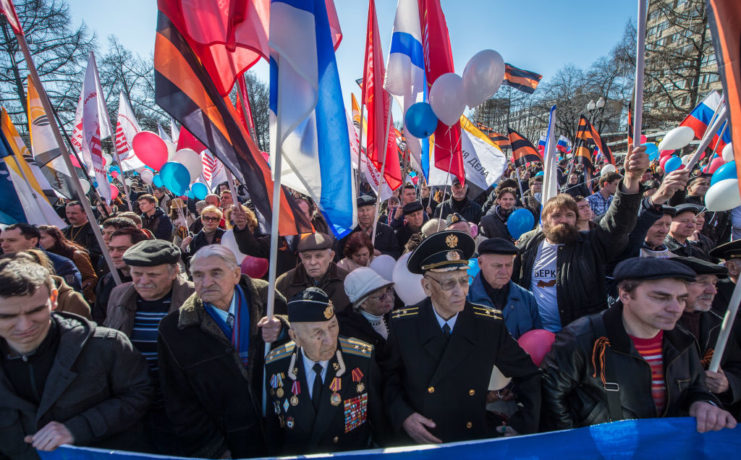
{"x":311,"y":305}
{"x":703,"y":267}
{"x":730,"y":250}
{"x":442,"y":251}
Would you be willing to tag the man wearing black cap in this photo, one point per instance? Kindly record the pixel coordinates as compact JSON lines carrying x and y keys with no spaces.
{"x":324,"y":390}
{"x":441,"y":353}
{"x":414,"y":218}
{"x":459,"y":203}
{"x":630,"y":361}
{"x":731,"y":254}
{"x":494,"y":288}
{"x":385,"y":243}
{"x":682,"y":227}
{"x":317,"y":269}
{"x":408,"y":195}
{"x":717,"y":224}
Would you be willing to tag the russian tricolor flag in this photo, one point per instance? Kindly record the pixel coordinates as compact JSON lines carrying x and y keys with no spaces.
{"x":541,"y":144}
{"x":700,"y":117}
{"x":564,"y":144}
{"x":308,"y":124}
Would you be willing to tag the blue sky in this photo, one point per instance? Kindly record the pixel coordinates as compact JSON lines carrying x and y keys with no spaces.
{"x":537,"y":35}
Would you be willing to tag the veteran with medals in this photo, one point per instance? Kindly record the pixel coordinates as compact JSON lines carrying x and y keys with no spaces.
{"x":323,"y":390}
{"x":441,"y":353}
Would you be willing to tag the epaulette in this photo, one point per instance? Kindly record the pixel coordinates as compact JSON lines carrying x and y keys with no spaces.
{"x":489,"y":312}
{"x":355,"y":347}
{"x":281,"y":352}
{"x":405,"y":312}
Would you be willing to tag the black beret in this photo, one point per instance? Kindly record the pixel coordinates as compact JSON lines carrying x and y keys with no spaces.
{"x":688,"y":207}
{"x":730,"y":250}
{"x":454,"y":218}
{"x":442,"y":251}
{"x":672,"y":211}
{"x":414,"y":206}
{"x":497,"y":246}
{"x":315,"y":241}
{"x":703,"y":267}
{"x":149,"y":253}
{"x":310,"y":306}
{"x":652,"y":268}
{"x":366,"y":200}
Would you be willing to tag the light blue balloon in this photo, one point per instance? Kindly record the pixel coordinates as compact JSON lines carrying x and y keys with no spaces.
{"x":157,"y":181}
{"x":726,"y":171}
{"x":652,"y":150}
{"x":519,"y":222}
{"x":199,"y":191}
{"x":175,"y":177}
{"x":473,"y":269}
{"x":420,"y":120}
{"x":672,"y":164}
{"x":539,"y":173}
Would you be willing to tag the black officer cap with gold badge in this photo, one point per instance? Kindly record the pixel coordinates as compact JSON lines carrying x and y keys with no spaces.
{"x":311,"y":305}
{"x":414,"y":206}
{"x":703,"y":267}
{"x":725,"y":251}
{"x":443,"y":251}
{"x":150,"y":253}
{"x":454,"y":218}
{"x":315,"y":241}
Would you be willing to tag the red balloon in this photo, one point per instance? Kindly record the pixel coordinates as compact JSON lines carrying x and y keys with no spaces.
{"x":254,"y":267}
{"x":715,"y":164}
{"x":114,"y":174}
{"x":150,"y":149}
{"x":663,"y":160}
{"x":665,"y":153}
{"x":537,"y":343}
{"x":114,"y":191}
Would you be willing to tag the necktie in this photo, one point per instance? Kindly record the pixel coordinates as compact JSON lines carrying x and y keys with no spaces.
{"x":230,"y":320}
{"x":446,"y":330}
{"x":316,"y":390}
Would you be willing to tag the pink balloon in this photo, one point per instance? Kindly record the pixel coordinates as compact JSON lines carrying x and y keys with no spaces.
{"x":663,"y":160}
{"x":254,"y":267}
{"x":715,"y":164}
{"x":114,"y":191}
{"x":665,"y":153}
{"x":150,"y":149}
{"x":114,"y":174}
{"x":537,"y":343}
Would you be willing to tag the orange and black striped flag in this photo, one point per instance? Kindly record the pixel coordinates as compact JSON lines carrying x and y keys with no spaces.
{"x":522,"y":150}
{"x":524,"y":80}
{"x":589,"y":135}
{"x":501,"y":140}
{"x":184,"y":89}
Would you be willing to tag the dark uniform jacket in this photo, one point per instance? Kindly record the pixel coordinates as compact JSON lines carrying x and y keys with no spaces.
{"x":98,"y":386}
{"x":446,"y":379}
{"x":213,"y":400}
{"x":573,"y":391}
{"x":386,"y":242}
{"x":344,"y":422}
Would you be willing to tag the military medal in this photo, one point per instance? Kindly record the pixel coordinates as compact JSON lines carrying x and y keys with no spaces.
{"x":357,"y":377}
{"x":335,"y":386}
{"x":279,"y":392}
{"x":296,"y":390}
{"x":276,"y":406}
{"x":289,"y":423}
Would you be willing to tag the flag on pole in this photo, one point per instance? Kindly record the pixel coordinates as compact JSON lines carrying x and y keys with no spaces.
{"x":585,"y":145}
{"x":700,"y":117}
{"x":501,"y":140}
{"x":522,"y":150}
{"x":214,"y":172}
{"x":524,"y":80}
{"x":91,"y":127}
{"x":308,"y":123}
{"x":126,"y":128}
{"x":541,"y":144}
{"x":8,"y":9}
{"x":588,"y":134}
{"x":550,"y":162}
{"x":184,"y":89}
{"x":405,"y":71}
{"x":378,"y":104}
{"x":564,"y":144}
{"x":439,"y":60}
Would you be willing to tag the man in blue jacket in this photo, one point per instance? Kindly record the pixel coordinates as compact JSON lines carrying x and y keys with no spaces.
{"x":493,"y":287}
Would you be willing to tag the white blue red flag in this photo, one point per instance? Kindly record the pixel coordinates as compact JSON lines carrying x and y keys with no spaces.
{"x":564,"y":144}
{"x":700,"y":117}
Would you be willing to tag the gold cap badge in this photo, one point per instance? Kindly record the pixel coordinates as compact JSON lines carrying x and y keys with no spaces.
{"x":451,"y":241}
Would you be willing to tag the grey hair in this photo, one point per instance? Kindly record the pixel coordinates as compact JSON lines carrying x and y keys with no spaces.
{"x":430,"y":227}
{"x":215,"y":250}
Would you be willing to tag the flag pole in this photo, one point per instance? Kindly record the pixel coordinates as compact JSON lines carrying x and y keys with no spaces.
{"x":725,"y":329}
{"x":640,"y":64}
{"x":382,"y":179}
{"x":65,"y":156}
{"x":708,"y":137}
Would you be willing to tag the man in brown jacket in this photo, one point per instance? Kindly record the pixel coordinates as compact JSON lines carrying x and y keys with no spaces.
{"x":316,"y":269}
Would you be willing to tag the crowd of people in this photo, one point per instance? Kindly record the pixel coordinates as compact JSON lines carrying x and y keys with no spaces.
{"x":628,"y":269}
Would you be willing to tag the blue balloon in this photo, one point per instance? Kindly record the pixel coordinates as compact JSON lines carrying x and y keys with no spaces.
{"x":157,"y":181}
{"x":539,"y":173}
{"x":175,"y":177}
{"x":519,"y":222}
{"x":420,"y":120}
{"x":672,"y":164}
{"x":726,"y":171}
{"x":199,"y":191}
{"x":652,"y":150}
{"x":473,"y":269}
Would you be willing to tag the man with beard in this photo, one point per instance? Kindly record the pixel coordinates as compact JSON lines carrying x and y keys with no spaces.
{"x":565,"y":269}
{"x":414,"y":218}
{"x":81,"y":232}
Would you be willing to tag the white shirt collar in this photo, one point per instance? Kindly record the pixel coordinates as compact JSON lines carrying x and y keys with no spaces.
{"x":309,"y":369}
{"x":451,"y":321}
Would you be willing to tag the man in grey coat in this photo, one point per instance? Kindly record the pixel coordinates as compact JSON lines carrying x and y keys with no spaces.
{"x":63,"y":380}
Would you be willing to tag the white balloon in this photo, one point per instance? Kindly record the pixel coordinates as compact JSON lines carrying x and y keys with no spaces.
{"x":383,"y":265}
{"x":85,"y":186}
{"x":608,"y":168}
{"x":497,"y":381}
{"x":191,"y":160}
{"x":482,"y":76}
{"x":723,"y":196}
{"x":408,"y":286}
{"x":677,"y":138}
{"x":147,"y":176}
{"x":728,"y":153}
{"x":447,"y":98}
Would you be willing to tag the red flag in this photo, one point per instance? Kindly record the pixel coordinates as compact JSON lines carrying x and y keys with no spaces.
{"x":378,"y":101}
{"x":186,"y":140}
{"x":8,"y":9}
{"x":438,"y":61}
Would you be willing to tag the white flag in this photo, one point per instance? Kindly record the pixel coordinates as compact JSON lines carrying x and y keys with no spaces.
{"x":369,"y":170}
{"x":126,"y":128}
{"x":214,"y":172}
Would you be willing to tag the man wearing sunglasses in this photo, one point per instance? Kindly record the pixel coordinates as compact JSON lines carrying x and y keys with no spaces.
{"x":441,"y":353}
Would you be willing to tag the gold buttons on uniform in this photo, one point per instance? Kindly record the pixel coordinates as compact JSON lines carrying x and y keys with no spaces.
{"x":471,"y":392}
{"x":336,"y":439}
{"x":430,"y":390}
{"x":469,"y":425}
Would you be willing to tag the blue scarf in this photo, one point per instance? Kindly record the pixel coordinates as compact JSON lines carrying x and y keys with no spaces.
{"x":240,"y":333}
